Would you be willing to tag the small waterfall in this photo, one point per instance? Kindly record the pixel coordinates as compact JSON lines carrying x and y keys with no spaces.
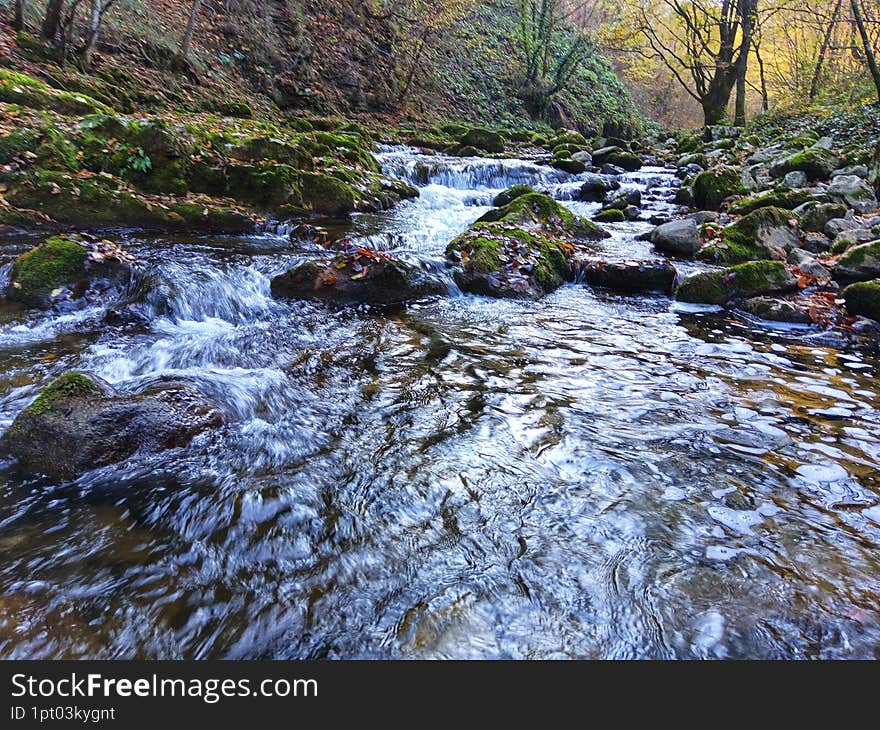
{"x":467,"y":173}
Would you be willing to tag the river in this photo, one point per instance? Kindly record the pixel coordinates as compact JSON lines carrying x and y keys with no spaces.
{"x":587,"y":476}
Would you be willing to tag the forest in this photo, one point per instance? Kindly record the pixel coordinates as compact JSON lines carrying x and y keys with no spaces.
{"x":394,"y":329}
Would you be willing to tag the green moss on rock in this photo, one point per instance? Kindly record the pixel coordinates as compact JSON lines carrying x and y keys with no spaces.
{"x":863,"y":299}
{"x":712,"y":187}
{"x":70,"y":385}
{"x":511,"y":194}
{"x":785,"y":199}
{"x":483,"y":139}
{"x":56,"y":262}
{"x":326,"y":194}
{"x":738,"y":282}
{"x":610,"y":215}
{"x":751,"y":238}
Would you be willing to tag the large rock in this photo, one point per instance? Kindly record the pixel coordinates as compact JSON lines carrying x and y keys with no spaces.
{"x":863,"y":299}
{"x":483,"y":139}
{"x":67,"y":268}
{"x":767,"y":233}
{"x":631,"y":277}
{"x":738,"y":282}
{"x":678,"y":237}
{"x":854,"y":191}
{"x":537,"y":209}
{"x":859,"y":263}
{"x":814,"y":216}
{"x":361,"y":276}
{"x":78,"y":423}
{"x":851,"y":237}
{"x":816,"y":163}
{"x":501,"y":259}
{"x":712,"y":187}
{"x":776,"y":310}
{"x":596,"y":188}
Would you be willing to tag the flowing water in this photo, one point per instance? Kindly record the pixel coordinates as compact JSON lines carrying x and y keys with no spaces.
{"x":588,"y":476}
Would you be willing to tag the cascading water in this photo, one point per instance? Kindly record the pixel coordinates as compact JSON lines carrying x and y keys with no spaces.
{"x":590,"y":475}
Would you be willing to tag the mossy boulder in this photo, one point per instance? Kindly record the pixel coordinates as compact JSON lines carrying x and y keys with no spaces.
{"x":106,"y":202}
{"x":512,"y":193}
{"x":537,"y":209}
{"x":738,"y":282}
{"x":326,"y":194}
{"x":610,"y":215}
{"x":859,"y":263}
{"x":570,"y":137}
{"x":766,"y":233}
{"x":854,"y":191}
{"x":503,"y":260}
{"x":566,"y":164}
{"x":713,"y":187}
{"x":626,"y":160}
{"x":851,"y":237}
{"x":362,"y":276}
{"x":79,"y":423}
{"x":65,"y":268}
{"x":784,"y":199}
{"x":483,"y":139}
{"x":817,"y":163}
{"x":862,"y":299}
{"x":814,"y":215}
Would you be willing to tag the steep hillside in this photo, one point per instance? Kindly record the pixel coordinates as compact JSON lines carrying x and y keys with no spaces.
{"x":318,"y":57}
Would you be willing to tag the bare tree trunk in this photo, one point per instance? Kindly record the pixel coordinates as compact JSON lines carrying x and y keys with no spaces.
{"x":739,"y":118}
{"x":823,"y":51}
{"x":414,"y":66}
{"x":190,"y":29}
{"x":765,"y":95}
{"x":18,"y":21}
{"x":52,"y":19}
{"x":94,"y":25}
{"x":870,"y":57}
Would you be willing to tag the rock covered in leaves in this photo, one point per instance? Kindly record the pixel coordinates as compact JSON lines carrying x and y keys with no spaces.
{"x":504,"y":260}
{"x":79,"y":423}
{"x":357,"y":276}
{"x":68,"y":268}
{"x":521,"y":250}
{"x":738,"y":282}
{"x":630,"y":277}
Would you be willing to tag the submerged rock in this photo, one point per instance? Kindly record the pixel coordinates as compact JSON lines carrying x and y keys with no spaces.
{"x":361,"y":276}
{"x":738,"y":282}
{"x":776,"y":310}
{"x":79,"y":423}
{"x":630,"y":276}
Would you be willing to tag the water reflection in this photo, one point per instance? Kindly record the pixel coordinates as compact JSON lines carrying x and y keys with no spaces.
{"x":588,"y":476}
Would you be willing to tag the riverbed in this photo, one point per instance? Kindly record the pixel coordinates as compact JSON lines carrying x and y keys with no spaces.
{"x":587,"y":476}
